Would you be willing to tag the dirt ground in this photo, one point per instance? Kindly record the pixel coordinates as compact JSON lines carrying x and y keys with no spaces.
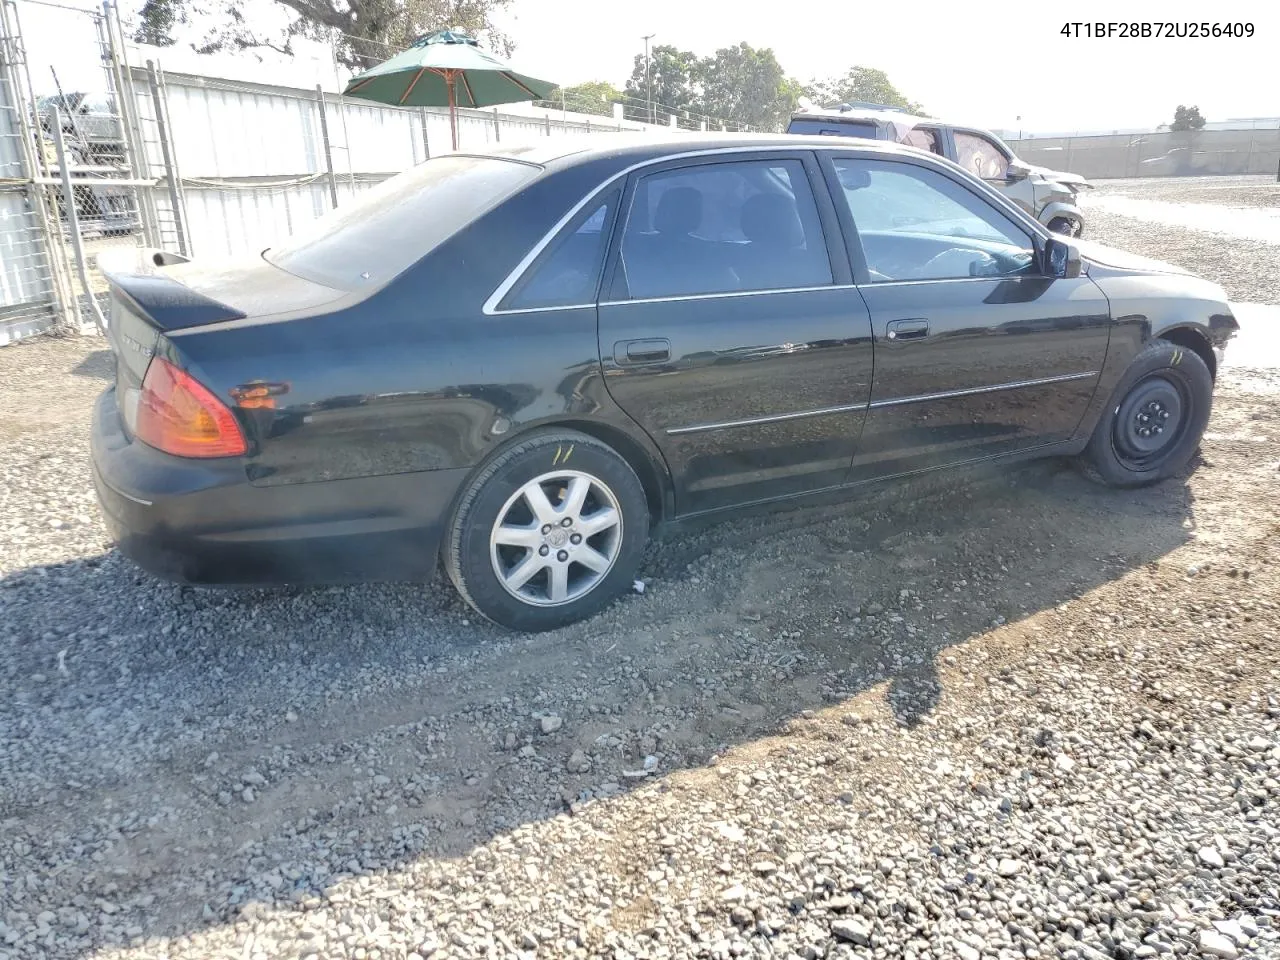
{"x":800,"y":704}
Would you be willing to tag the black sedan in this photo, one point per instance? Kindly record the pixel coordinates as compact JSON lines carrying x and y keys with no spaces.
{"x":521,"y":362}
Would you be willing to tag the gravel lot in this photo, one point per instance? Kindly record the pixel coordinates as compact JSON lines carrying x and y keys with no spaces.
{"x":1009,"y":716}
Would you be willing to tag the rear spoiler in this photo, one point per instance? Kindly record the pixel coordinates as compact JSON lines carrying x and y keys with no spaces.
{"x":138,"y":280}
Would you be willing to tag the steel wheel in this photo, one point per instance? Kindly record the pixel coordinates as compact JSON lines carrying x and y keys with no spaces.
{"x":1148,"y":422}
{"x":556,"y":538}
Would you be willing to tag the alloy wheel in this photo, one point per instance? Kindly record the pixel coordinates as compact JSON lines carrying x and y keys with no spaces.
{"x":556,"y":538}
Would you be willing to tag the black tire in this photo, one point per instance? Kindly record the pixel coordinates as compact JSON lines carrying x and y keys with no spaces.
{"x":1170,"y":386}
{"x":495,"y":493}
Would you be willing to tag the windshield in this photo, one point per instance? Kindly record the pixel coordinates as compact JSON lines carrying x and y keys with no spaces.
{"x":374,"y":239}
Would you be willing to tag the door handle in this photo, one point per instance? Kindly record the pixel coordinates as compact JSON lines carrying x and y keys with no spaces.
{"x":635,"y":352}
{"x":914,"y":329}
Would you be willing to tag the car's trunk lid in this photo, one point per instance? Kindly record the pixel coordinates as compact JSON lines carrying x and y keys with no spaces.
{"x":149,"y":301}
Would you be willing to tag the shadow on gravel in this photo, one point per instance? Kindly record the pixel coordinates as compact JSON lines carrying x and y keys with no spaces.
{"x":99,"y":365}
{"x":250,"y":748}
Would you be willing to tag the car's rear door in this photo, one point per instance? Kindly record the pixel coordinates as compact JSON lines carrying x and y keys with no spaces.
{"x":977,"y":352}
{"x":730,"y":332}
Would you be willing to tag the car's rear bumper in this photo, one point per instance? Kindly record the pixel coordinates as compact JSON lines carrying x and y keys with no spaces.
{"x":199,"y":521}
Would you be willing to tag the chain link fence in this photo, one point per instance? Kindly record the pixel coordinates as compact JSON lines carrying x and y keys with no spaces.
{"x":103,"y":153}
{"x":1164,"y":154}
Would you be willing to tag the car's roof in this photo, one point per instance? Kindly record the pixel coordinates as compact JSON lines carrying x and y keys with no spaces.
{"x":583,"y":148}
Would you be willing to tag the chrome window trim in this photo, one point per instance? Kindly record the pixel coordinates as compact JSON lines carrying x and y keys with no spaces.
{"x":490,"y":307}
{"x":880,"y":404}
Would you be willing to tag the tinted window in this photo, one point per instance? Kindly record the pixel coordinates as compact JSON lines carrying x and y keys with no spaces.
{"x":915,"y":224}
{"x":833,"y":128}
{"x":724,"y":227}
{"x":570,"y":272}
{"x":369,"y":241}
{"x":981,"y":157}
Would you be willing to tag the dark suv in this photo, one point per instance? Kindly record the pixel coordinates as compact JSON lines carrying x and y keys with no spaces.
{"x":1048,"y":195}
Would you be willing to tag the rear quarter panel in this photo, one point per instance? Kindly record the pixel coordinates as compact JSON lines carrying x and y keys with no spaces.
{"x":415,"y":377}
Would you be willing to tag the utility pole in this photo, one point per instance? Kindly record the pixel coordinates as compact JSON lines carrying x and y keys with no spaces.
{"x":648,"y":77}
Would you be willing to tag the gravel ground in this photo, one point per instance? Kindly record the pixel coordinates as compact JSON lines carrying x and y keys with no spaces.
{"x":1014,"y":716}
{"x":1248,"y":269}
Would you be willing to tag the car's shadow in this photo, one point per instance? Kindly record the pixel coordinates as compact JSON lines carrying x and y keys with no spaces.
{"x":236,"y":731}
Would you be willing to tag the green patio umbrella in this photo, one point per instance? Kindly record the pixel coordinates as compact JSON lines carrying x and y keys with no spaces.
{"x":446,"y":69}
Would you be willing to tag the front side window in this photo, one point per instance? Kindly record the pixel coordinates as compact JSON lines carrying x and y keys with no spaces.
{"x":981,"y":157}
{"x":569,"y":273}
{"x":916,"y":224}
{"x":724,"y":228}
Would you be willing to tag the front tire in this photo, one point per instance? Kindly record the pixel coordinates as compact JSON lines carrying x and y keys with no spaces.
{"x":549,"y":532}
{"x":1153,"y":423}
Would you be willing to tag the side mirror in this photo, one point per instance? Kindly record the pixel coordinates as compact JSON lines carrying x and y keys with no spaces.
{"x":1018,"y":170}
{"x":1062,"y":259}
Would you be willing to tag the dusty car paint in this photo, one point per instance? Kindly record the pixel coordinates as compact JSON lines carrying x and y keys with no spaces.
{"x":383,"y":402}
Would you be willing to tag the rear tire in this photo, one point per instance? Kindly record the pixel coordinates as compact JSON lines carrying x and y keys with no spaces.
{"x":1153,"y":423}
{"x":549,"y":532}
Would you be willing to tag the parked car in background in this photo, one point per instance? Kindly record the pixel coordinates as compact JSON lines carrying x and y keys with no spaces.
{"x":1048,"y":195}
{"x":521,"y":362}
{"x":93,"y":138}
{"x":90,"y":123}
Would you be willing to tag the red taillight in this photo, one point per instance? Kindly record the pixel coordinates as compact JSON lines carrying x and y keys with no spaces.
{"x":180,"y":416}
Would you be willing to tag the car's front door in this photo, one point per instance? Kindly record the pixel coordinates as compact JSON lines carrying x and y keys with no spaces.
{"x":977,"y":352}
{"x":730,"y":331}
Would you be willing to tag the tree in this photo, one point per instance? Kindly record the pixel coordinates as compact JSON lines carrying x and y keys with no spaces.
{"x":860,"y":83}
{"x":594,"y":96}
{"x":673,"y":79}
{"x":748,"y":86}
{"x":157,"y":18}
{"x":365,"y":31}
{"x":1187,"y":118}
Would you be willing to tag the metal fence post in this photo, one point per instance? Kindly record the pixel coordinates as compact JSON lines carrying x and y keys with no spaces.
{"x":73,"y":221}
{"x":497,"y":127}
{"x":169,"y":168}
{"x":328,"y":153}
{"x":139,"y":162}
{"x":34,"y":164}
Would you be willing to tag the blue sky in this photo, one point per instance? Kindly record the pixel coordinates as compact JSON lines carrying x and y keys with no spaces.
{"x":971,"y":62}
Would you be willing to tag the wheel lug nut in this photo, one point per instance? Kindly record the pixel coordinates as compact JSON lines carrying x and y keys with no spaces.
{"x":562,"y":556}
{"x":543,"y":550}
{"x":546,"y":528}
{"x":567,"y":522}
{"x":576,"y":539}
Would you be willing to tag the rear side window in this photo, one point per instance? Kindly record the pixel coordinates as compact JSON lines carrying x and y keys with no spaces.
{"x":838,"y":128}
{"x":925,"y":138}
{"x":369,"y":242}
{"x":724,"y":228}
{"x":568,"y":274}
